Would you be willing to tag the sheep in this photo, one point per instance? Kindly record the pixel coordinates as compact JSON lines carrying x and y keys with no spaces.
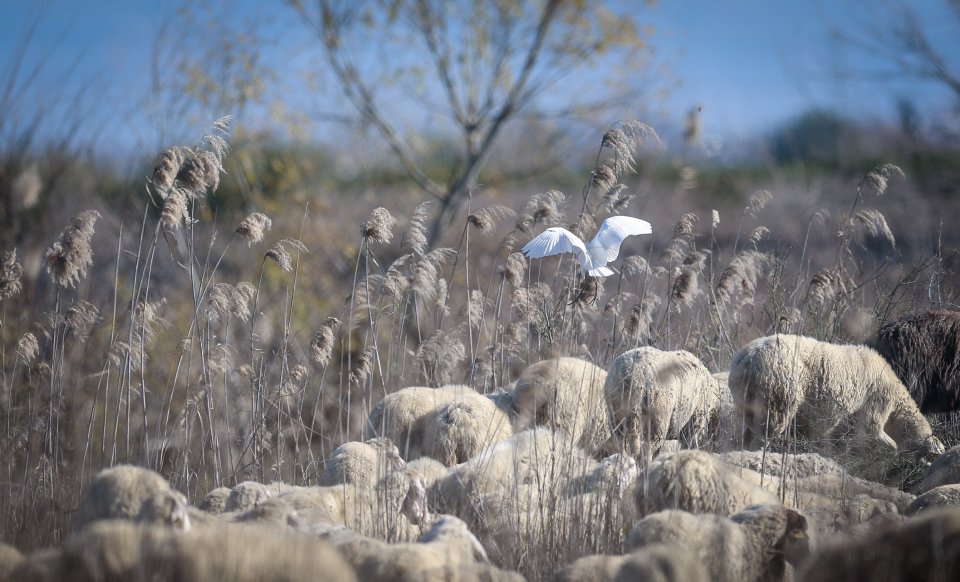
{"x":564,"y":394}
{"x":215,"y":501}
{"x":653,"y":563}
{"x":9,"y":558}
{"x":404,"y":416}
{"x":923,"y":348}
{"x":246,"y":495}
{"x":446,"y":549}
{"x":945,"y":470}
{"x":925,"y":548}
{"x":755,"y":544}
{"x":698,"y":482}
{"x":119,"y":550}
{"x":119,"y":492}
{"x":167,"y":508}
{"x":653,"y":395}
{"x":943,"y":495}
{"x":456,"y":431}
{"x":812,"y":474}
{"x":361,"y":463}
{"x":816,"y":389}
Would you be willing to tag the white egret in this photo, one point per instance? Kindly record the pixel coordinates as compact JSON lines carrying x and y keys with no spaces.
{"x":594,"y":255}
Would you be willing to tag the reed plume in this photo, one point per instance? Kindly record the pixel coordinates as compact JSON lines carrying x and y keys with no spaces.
{"x":70,"y":256}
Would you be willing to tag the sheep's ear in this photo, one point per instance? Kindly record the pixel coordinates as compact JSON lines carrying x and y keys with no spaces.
{"x":795,"y":521}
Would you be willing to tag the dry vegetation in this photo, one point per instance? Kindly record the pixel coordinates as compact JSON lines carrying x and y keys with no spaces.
{"x":164,"y":335}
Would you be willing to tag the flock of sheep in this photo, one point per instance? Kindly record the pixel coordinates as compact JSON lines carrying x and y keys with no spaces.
{"x":783,"y":468}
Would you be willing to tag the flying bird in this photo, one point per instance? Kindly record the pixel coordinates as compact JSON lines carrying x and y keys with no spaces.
{"x":594,"y":255}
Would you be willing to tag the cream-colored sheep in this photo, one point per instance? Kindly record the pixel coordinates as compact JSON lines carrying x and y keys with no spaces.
{"x":653,"y":395}
{"x":819,"y":390}
{"x":945,"y":470}
{"x":9,"y":558}
{"x":119,"y":492}
{"x":753,"y":545}
{"x":458,"y":430}
{"x":246,"y":495}
{"x":942,"y":496}
{"x":445,"y":550}
{"x":215,"y":502}
{"x":403,"y":416}
{"x":361,"y":463}
{"x":564,"y":394}
{"x":167,"y":508}
{"x":119,"y":550}
{"x":698,"y":482}
{"x":652,"y":563}
{"x":925,"y":548}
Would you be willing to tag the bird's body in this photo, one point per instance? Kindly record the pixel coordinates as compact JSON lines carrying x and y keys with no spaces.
{"x":594,"y":255}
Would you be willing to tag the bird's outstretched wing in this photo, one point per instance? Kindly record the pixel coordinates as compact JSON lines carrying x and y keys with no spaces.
{"x":605,"y":246}
{"x":555,"y":241}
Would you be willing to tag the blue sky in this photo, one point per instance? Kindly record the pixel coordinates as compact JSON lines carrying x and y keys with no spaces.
{"x":750,"y":64}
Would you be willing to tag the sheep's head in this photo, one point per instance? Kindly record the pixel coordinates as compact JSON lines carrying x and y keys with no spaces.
{"x":930,"y":449}
{"x":796,"y":542}
{"x":448,"y":529}
{"x":167,"y":508}
{"x":415,"y":503}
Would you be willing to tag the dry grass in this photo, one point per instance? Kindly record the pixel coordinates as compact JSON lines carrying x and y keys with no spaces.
{"x":155,"y":342}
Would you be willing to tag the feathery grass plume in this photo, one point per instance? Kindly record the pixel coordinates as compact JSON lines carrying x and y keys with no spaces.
{"x":589,"y":291}
{"x":473,"y":311}
{"x":686,"y":284}
{"x":220,"y":358}
{"x":396,"y":281}
{"x":614,"y":307}
{"x":487,"y":219}
{"x":790,"y":322}
{"x":606,"y":175}
{"x":321,"y":348}
{"x":714,"y":219}
{"x":439,"y":356}
{"x":424,"y":281}
{"x":416,"y":236}
{"x":623,"y":140}
{"x":299,"y":373}
{"x":757,"y":201}
{"x":70,"y":256}
{"x":80,"y":319}
{"x":379,"y":227}
{"x":533,"y":304}
{"x":253,"y":227}
{"x":546,"y":207}
{"x":739,"y":278}
{"x":166,"y":168}
{"x":683,"y":234}
{"x":10,"y":273}
{"x":224,"y":299}
{"x":686,"y":226}
{"x":758,"y":234}
{"x":279,"y":254}
{"x":26,"y":188}
{"x":199,"y":173}
{"x":216,"y":141}
{"x":635,"y":265}
{"x":616,"y":199}
{"x":515,"y":336}
{"x":175,"y":212}
{"x":584,"y":224}
{"x":440,"y":298}
{"x":362,"y":366}
{"x":824,"y":286}
{"x":28,"y":347}
{"x":514,"y":268}
{"x":641,"y":316}
{"x":869,"y":226}
{"x":877,"y":178}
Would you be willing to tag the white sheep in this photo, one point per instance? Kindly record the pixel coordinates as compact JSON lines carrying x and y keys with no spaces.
{"x":361,"y":463}
{"x":403,"y":416}
{"x":10,"y":557}
{"x":122,"y":550}
{"x":654,"y":395}
{"x":816,"y":389}
{"x":246,"y":495}
{"x":945,"y":470}
{"x":166,"y":508}
{"x":944,"y":495}
{"x":698,"y":482}
{"x":443,"y":552}
{"x":924,"y":548}
{"x":756,"y":544}
{"x":564,"y":394}
{"x":214,"y":502}
{"x":652,"y":563}
{"x":458,"y":430}
{"x":119,"y":492}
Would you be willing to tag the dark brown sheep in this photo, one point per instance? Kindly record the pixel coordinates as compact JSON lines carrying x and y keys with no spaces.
{"x":923,"y":348}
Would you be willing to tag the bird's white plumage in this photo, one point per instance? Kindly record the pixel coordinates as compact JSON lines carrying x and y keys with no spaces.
{"x":593,"y":256}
